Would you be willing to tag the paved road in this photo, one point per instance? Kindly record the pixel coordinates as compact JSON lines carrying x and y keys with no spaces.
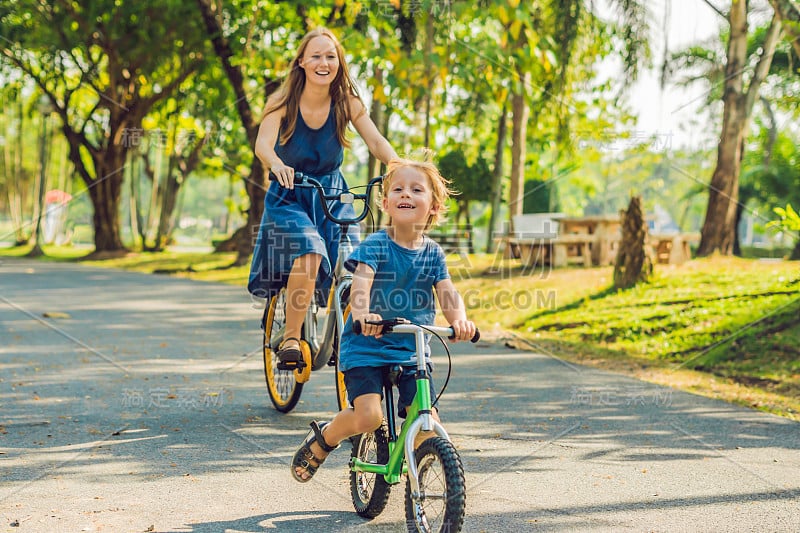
{"x":143,"y":409}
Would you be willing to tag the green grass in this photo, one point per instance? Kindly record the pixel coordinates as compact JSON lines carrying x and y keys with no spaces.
{"x":724,"y":327}
{"x":52,"y":253}
{"x":199,"y":266}
{"x":680,"y":314}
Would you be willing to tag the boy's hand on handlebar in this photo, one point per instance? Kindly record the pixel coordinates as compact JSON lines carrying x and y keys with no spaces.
{"x":464,"y":329}
{"x":370,"y":329}
{"x":284,"y":174}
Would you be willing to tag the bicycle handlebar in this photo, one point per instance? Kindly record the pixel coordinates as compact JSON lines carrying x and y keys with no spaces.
{"x":302,"y":180}
{"x":401,"y":325}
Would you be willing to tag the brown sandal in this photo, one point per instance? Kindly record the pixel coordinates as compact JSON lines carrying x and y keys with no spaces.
{"x":304,"y":454}
{"x":290,"y":358}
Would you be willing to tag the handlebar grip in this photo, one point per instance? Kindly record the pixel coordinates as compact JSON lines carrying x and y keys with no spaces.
{"x":298,"y":177}
{"x":475,"y":338}
{"x":357,"y":327}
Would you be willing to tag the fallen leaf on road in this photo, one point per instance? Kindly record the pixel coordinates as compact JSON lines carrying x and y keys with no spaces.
{"x":55,"y":314}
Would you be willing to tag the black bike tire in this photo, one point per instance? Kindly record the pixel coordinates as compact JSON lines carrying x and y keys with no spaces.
{"x":441,"y":450}
{"x":283,"y":403}
{"x":370,"y":503}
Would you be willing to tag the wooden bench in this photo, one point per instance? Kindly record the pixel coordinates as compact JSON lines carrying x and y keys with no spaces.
{"x":573,"y":248}
{"x":528,"y":228}
{"x":672,"y":248}
{"x":557,"y":252}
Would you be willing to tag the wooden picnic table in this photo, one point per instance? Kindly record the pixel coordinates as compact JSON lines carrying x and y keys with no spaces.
{"x":672,"y":248}
{"x":557,"y":240}
{"x":602,"y":231}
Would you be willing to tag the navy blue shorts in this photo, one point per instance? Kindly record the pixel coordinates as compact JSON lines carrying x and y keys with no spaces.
{"x":363,"y":380}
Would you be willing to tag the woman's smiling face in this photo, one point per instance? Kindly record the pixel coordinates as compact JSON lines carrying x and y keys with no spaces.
{"x":320,"y":60}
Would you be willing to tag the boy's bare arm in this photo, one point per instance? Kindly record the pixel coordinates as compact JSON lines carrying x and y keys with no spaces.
{"x":454,"y":311}
{"x":359,"y":299}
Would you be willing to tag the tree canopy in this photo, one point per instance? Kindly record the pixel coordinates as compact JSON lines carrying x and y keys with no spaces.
{"x":510,"y":89}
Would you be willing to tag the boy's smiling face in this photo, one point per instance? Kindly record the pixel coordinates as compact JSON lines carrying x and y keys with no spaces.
{"x":409,"y":199}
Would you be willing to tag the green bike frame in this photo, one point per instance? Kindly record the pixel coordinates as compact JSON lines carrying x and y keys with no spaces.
{"x":418,"y":417}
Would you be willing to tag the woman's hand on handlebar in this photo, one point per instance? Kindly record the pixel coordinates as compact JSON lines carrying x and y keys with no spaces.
{"x":464,"y":330}
{"x":370,"y":329}
{"x":284,"y":174}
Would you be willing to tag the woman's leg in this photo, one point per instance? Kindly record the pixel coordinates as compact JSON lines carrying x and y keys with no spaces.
{"x":299,"y":291}
{"x":365,"y":416}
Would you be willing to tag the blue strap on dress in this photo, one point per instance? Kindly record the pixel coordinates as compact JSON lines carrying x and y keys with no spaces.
{"x":293,"y":223}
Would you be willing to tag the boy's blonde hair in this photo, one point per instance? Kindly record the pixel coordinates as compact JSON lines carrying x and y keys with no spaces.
{"x":439,"y":186}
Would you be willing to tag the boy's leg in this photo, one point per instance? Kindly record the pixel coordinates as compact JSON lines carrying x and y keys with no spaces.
{"x":364,"y":386}
{"x":365,"y":416}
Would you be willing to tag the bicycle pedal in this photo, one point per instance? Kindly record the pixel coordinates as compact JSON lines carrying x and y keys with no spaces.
{"x":291,"y":365}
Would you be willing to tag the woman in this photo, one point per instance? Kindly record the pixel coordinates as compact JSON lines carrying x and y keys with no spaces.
{"x":304,"y":128}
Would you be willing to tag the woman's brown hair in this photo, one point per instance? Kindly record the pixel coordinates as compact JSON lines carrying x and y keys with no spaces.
{"x":342,"y":87}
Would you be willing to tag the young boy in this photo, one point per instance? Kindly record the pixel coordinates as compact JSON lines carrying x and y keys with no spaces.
{"x":395,"y":272}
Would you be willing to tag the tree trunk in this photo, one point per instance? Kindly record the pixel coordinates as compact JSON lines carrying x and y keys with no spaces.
{"x":737,"y":244}
{"x":376,"y":115}
{"x":254,"y":184}
{"x":169,"y":199}
{"x":633,"y":264}
{"x":180,"y":165}
{"x":245,"y":237}
{"x":133,"y":201}
{"x":719,"y":228}
{"x":428,"y":75}
{"x":497,"y":178}
{"x":105,"y":193}
{"x":789,"y":14}
{"x":40,"y":186}
{"x":374,"y":165}
{"x":468,"y":229}
{"x":520,"y":112}
{"x":380,"y":114}
{"x":15,"y":195}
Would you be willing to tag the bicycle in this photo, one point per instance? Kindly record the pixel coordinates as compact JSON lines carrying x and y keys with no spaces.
{"x":319,"y":341}
{"x":435,"y":496}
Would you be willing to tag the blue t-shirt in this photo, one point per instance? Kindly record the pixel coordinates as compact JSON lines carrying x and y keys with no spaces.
{"x":402,"y":287}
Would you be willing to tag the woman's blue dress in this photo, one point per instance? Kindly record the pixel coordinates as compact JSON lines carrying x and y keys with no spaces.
{"x":294,"y":223}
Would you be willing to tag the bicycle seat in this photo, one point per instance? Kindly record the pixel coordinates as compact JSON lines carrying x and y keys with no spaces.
{"x":391,"y":377}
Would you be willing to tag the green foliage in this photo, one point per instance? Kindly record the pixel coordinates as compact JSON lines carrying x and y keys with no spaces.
{"x":789,"y":221}
{"x":108,"y":54}
{"x":771,"y":180}
{"x":473,"y":182}
{"x":541,"y":196}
